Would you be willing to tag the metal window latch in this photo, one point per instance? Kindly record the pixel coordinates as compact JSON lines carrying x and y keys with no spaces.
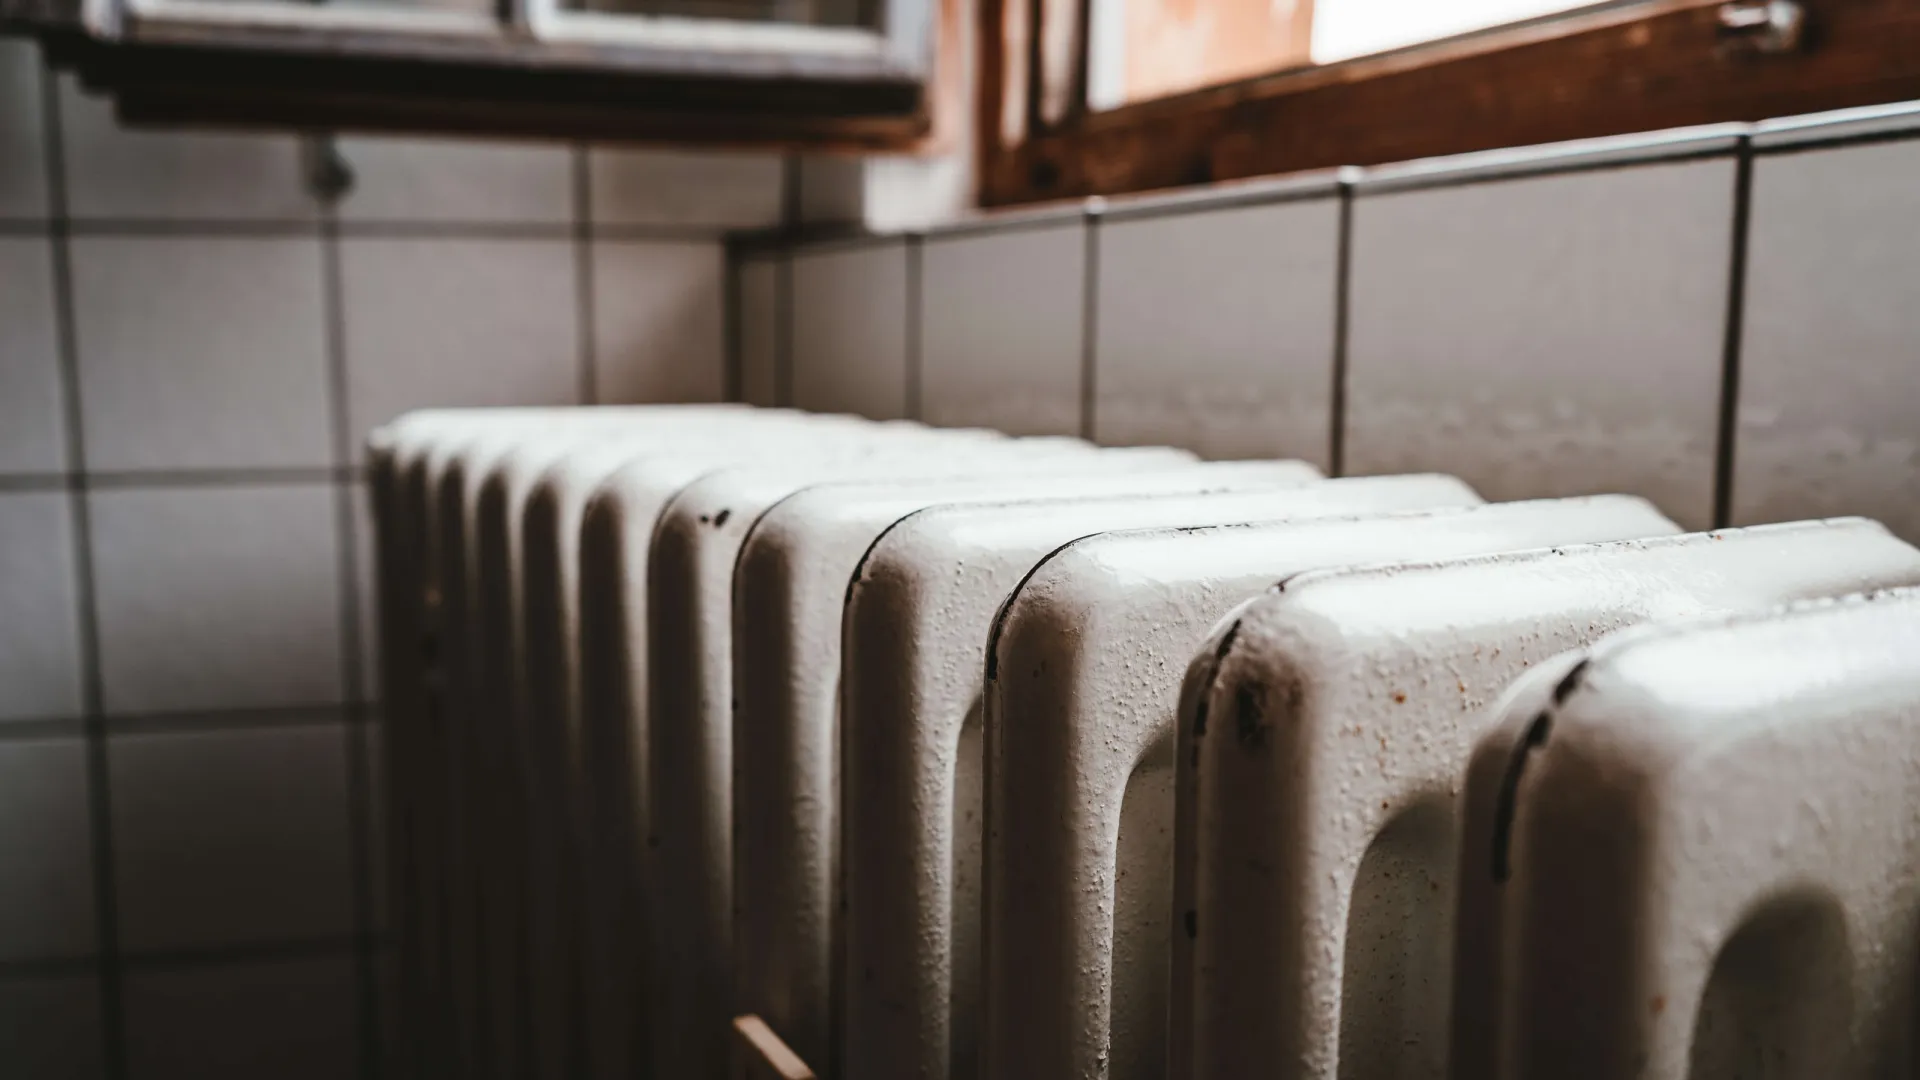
{"x":1762,"y":27}
{"x":329,"y":173}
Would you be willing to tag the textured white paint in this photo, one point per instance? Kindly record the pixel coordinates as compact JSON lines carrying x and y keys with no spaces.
{"x":537,"y":836}
{"x":1761,"y":781}
{"x":399,"y":476}
{"x":467,"y":768}
{"x":500,"y":726}
{"x":1082,"y":688}
{"x":614,"y":526}
{"x":553,"y":754}
{"x":690,"y":757}
{"x":423,"y":502}
{"x":1334,"y":718}
{"x":917,"y":618}
{"x":789,"y":587}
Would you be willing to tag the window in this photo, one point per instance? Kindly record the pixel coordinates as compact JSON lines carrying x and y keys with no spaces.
{"x":1138,"y":50}
{"x":1344,"y":29}
{"x":1092,"y":97}
{"x":817,"y":73}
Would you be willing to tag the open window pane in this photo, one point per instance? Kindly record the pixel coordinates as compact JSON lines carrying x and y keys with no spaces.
{"x":1144,"y":49}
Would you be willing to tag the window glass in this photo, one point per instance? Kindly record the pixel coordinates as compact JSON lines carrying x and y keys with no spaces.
{"x":1143,"y":49}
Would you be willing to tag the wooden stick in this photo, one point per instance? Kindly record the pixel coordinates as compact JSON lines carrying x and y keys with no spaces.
{"x":768,"y":1058}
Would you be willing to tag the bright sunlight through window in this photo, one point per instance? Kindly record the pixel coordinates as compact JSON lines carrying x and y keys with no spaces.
{"x":1143,"y":49}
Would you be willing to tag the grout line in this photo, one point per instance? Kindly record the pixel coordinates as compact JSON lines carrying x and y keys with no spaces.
{"x":359,"y":797}
{"x":453,"y":230}
{"x":182,"y":959}
{"x":42,"y":729}
{"x":733,"y":375}
{"x":346,"y":714}
{"x":1342,"y":311}
{"x":1736,"y":324}
{"x":36,"y":482}
{"x":147,"y":478}
{"x":792,"y":204}
{"x":1090,"y":328}
{"x":583,"y":283}
{"x":914,"y":403}
{"x":660,"y":234}
{"x":783,"y":284}
{"x":48,"y":967}
{"x":373,"y":230}
{"x":133,"y":228}
{"x":783,"y":331}
{"x":93,"y":694}
{"x":218,"y":719}
{"x":262,"y":952}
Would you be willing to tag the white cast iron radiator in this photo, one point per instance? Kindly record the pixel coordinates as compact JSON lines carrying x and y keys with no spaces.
{"x":724,"y":741}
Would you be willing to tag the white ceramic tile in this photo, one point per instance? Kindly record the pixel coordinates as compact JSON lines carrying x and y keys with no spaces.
{"x":850,"y":330}
{"x":684,"y":188}
{"x":23,"y":166}
{"x":457,"y":322}
{"x":288,"y":1019}
{"x":39,"y":612}
{"x":445,"y":180}
{"x":50,"y":1027}
{"x":1001,"y":324}
{"x":32,"y":432}
{"x":1828,"y":384}
{"x":46,"y":871}
{"x":201,"y":352}
{"x":833,"y":189}
{"x":914,"y":192}
{"x":759,"y":330}
{"x":231,"y":837}
{"x":1214,"y":330}
{"x":114,"y":172}
{"x":658,"y":326}
{"x":1552,"y":336}
{"x":217,"y":597}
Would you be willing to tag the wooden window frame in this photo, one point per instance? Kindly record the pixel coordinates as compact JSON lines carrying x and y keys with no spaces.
{"x":1629,"y":67}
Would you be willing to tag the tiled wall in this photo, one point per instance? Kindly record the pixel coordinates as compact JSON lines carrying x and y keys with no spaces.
{"x":192,"y":347}
{"x":1724,"y":320}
